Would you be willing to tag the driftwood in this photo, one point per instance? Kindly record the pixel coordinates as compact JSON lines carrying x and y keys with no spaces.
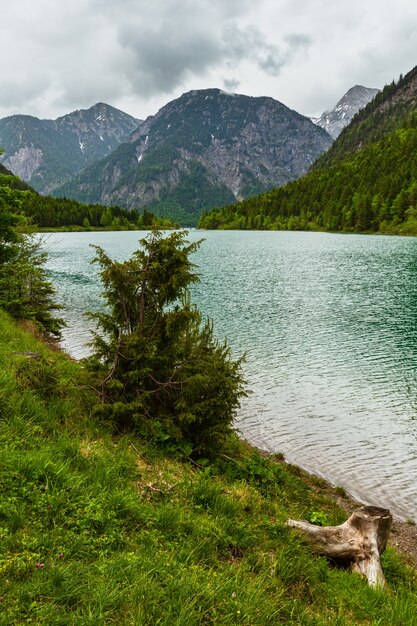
{"x":358,"y":542}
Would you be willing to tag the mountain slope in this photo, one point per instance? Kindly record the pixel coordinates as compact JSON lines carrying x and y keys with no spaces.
{"x":9,"y":180}
{"x":384,"y":114}
{"x":366,"y":182}
{"x":18,"y":197}
{"x":341,"y":115}
{"x":47,"y":152}
{"x":203,"y":149}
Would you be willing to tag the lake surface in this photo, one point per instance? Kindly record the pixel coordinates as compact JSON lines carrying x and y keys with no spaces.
{"x":329,"y":326}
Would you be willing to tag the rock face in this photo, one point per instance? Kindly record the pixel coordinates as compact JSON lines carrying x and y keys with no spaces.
{"x":204,"y":149}
{"x":356,"y":98}
{"x":46,"y":153}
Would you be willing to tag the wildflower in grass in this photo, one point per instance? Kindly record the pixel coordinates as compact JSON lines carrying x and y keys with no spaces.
{"x":40,"y":565}
{"x":61,"y":555}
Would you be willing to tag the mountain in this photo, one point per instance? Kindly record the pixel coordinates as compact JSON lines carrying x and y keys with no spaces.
{"x":366,"y":181}
{"x":201,"y":150}
{"x":18,"y":197}
{"x":46,"y":153}
{"x":10,"y":181}
{"x":356,"y":98}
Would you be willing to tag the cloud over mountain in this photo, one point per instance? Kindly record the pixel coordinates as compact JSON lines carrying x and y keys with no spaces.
{"x":136,"y":54}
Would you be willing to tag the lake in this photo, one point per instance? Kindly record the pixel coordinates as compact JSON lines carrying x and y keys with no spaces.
{"x":329,"y":326}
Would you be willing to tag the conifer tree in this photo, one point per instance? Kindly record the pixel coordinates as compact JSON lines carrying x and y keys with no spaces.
{"x":162,"y":372}
{"x":25,"y":291}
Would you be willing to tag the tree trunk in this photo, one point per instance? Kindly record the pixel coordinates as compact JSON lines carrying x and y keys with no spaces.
{"x":359,"y":541}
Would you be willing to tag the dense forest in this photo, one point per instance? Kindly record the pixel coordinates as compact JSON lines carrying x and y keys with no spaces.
{"x":366,"y":182}
{"x":48,"y":212}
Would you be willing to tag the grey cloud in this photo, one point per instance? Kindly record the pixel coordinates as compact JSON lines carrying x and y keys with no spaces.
{"x":101,"y":50}
{"x":188,"y":41}
{"x":272,"y":59}
{"x":162,"y":60}
{"x":162,"y":10}
{"x":298,"y":41}
{"x":137,"y":53}
{"x":164,"y":55}
{"x":231,"y":84}
{"x":250,"y":44}
{"x":18,"y":91}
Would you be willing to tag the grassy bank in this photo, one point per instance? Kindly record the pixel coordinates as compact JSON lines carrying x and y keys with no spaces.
{"x":97,"y":529}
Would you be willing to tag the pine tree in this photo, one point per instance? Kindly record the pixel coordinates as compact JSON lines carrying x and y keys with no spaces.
{"x":162,"y":371}
{"x":25,"y":291}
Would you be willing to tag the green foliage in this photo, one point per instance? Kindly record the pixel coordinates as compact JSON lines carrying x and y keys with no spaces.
{"x":102,"y":530}
{"x":366,"y":182}
{"x":47,"y":212}
{"x":63,"y":213}
{"x":162,"y":371}
{"x":194,"y":193}
{"x":319,"y":518}
{"x":25,"y":291}
{"x":8,"y":234}
{"x":384,"y":114}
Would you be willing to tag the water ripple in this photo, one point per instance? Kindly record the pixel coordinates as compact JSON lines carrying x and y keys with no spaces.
{"x":329,"y":326}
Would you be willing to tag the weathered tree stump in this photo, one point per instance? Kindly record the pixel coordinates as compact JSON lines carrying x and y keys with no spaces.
{"x":359,"y":541}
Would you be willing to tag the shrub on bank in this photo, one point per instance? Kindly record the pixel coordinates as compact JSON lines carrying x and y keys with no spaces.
{"x":161,"y":371}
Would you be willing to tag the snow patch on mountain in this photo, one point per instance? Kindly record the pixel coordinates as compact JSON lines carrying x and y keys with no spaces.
{"x":335,"y":120}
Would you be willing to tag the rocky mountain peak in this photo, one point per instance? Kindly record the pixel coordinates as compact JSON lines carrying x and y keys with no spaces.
{"x":99,"y":129}
{"x":48,"y":152}
{"x":335,"y":120}
{"x":205,"y":148}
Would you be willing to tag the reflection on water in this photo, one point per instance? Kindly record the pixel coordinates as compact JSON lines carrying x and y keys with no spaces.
{"x":329,"y":326}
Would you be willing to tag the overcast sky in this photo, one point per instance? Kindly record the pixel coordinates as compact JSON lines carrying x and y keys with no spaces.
{"x":139,"y":54}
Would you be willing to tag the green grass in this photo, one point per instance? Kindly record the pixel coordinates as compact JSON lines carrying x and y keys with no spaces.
{"x":103,"y":530}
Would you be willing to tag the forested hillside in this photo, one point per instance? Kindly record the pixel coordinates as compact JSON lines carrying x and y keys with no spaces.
{"x":366,"y":182}
{"x":47,"y":212}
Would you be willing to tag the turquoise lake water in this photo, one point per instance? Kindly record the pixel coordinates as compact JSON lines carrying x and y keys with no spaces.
{"x":329,"y":326}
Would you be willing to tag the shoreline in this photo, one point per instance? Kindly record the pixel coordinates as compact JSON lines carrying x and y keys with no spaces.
{"x":81,"y":229}
{"x":403,"y":534}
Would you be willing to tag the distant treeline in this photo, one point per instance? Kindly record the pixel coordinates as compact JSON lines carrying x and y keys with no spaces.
{"x":48,"y":212}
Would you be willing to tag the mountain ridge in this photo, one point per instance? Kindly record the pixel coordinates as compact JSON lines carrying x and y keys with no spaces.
{"x":45,"y":153}
{"x":336,"y":119}
{"x":206,"y":142}
{"x":365,"y":182}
